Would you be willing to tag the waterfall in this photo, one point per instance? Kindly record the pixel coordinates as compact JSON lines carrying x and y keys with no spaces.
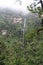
{"x":24,"y":26}
{"x":24,"y":23}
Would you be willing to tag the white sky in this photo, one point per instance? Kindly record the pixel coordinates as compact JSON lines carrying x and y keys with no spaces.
{"x":15,"y":5}
{"x":7,"y":3}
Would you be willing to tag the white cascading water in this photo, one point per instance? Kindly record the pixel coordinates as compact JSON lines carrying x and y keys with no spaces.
{"x":24,"y":26}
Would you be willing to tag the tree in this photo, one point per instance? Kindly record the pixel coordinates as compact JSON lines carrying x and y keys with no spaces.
{"x":2,"y":53}
{"x":38,"y":9}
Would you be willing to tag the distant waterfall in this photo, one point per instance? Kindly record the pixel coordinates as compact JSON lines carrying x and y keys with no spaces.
{"x":24,"y":23}
{"x":24,"y":27}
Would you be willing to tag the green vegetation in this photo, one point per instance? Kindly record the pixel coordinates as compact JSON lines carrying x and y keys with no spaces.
{"x":12,"y":49}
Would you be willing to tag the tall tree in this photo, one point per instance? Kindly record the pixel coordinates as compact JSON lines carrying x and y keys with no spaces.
{"x":38,"y":10}
{"x":2,"y":53}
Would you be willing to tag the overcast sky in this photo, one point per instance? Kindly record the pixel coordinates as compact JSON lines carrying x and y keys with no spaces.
{"x":15,"y":4}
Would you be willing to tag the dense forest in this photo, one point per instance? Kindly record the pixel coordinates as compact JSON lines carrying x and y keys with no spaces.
{"x":19,"y":44}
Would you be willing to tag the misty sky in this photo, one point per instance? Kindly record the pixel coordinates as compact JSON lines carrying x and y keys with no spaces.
{"x":15,"y":4}
{"x":9,"y":3}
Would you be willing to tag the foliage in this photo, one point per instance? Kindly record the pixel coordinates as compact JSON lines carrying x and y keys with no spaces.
{"x":32,"y":8}
{"x":12,"y":49}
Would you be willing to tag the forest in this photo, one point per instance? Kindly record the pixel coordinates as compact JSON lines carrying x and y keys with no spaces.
{"x":15,"y":51}
{"x":21,"y":43}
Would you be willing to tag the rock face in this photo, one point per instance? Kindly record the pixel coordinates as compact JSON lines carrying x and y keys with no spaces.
{"x":4,"y":32}
{"x":17,"y":20}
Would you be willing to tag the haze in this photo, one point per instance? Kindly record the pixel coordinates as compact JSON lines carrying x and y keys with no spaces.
{"x":15,"y":5}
